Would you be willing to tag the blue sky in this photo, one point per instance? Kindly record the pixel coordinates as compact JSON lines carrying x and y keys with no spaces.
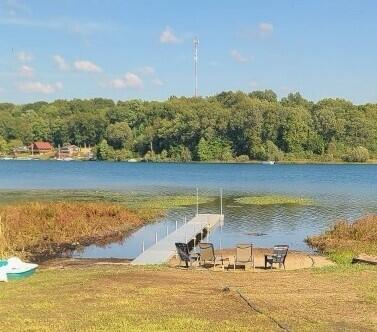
{"x":143,"y":49}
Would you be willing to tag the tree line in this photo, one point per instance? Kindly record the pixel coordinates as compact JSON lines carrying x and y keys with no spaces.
{"x":228,"y":126}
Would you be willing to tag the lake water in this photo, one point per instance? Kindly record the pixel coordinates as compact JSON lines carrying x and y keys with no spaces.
{"x":340,"y":192}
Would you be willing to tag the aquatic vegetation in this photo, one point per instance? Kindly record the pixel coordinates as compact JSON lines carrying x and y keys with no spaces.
{"x":274,"y":200}
{"x":345,"y":240}
{"x":42,"y":224}
{"x":40,"y":230}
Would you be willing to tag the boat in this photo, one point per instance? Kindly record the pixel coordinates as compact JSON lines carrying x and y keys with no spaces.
{"x":268,"y":162}
{"x":132,"y":160}
{"x":15,"y":268}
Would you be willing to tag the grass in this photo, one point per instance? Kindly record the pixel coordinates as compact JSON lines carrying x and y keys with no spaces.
{"x":346,"y":240}
{"x":125,"y":298}
{"x":274,"y":200}
{"x":41,"y":224}
{"x":37,"y":230}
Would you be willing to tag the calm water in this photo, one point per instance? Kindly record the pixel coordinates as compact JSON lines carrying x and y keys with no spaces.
{"x":340,"y":191}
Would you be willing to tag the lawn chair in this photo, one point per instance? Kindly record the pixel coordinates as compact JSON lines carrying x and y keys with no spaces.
{"x":184,"y":254}
{"x":244,"y":255}
{"x":207,"y":255}
{"x":278,"y":257}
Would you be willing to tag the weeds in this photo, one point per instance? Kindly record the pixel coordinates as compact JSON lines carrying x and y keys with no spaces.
{"x":345,"y":240}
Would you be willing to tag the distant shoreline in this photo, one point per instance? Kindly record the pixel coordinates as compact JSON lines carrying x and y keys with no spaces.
{"x":284,"y":162}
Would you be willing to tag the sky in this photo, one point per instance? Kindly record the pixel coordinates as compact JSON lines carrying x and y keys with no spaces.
{"x":143,"y":49}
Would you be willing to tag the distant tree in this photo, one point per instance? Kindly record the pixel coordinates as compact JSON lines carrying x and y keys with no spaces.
{"x":3,"y":146}
{"x":267,"y":95}
{"x":119,"y":135}
{"x":104,"y":151}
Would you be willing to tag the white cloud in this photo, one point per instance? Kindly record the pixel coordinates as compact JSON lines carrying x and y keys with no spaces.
{"x":118,"y":83}
{"x":58,"y":23}
{"x":13,"y":8}
{"x":26,"y":71}
{"x":237,"y":56}
{"x":39,"y":87}
{"x":157,"y":81}
{"x":129,"y":80}
{"x":168,"y":37}
{"x":265,"y":29}
{"x":147,"y":71}
{"x":87,"y":66}
{"x":61,"y":63}
{"x":133,"y":81}
{"x":24,"y":57}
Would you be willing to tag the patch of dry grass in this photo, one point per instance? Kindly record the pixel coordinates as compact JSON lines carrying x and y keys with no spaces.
{"x":345,"y":240}
{"x":36,"y":230}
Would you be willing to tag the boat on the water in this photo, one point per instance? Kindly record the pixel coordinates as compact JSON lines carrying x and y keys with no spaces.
{"x":15,"y":268}
{"x":268,"y":162}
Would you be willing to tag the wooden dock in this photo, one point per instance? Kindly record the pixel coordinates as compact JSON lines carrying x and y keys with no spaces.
{"x":164,"y":250}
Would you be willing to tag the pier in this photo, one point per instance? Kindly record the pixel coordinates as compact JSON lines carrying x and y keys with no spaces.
{"x":164,"y":250}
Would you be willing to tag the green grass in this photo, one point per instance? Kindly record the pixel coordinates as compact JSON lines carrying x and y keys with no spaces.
{"x":147,"y":206}
{"x":274,"y":200}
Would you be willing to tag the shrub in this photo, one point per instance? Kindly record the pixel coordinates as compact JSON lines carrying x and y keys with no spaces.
{"x":343,"y":237}
{"x":242,"y":158}
{"x":358,"y":154}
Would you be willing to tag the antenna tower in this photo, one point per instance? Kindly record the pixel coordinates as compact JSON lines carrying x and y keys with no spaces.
{"x":196,"y":45}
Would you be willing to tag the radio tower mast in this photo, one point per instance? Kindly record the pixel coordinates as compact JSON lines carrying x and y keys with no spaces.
{"x":196,"y":44}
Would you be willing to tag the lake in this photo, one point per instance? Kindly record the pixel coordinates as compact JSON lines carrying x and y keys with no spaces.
{"x":339,"y":192}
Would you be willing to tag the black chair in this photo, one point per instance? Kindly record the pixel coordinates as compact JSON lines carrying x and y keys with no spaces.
{"x":184,"y":254}
{"x":278,"y":257}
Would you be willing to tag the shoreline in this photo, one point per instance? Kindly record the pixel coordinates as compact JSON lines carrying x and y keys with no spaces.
{"x":252,"y":162}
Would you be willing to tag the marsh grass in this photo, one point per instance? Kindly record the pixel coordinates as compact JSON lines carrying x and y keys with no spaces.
{"x":41,"y":224}
{"x":274,"y":200}
{"x":39,"y":229}
{"x":345,"y":240}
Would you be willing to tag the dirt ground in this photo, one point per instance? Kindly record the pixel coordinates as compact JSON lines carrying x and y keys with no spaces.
{"x":294,"y":261}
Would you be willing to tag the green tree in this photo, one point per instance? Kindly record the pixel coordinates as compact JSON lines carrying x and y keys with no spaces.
{"x":4,"y":149}
{"x":267,"y":95}
{"x":104,"y":151}
{"x":119,"y":135}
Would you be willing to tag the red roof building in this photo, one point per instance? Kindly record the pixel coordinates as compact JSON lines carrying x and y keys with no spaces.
{"x":41,"y":147}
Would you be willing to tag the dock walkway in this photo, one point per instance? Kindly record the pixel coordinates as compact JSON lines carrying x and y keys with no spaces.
{"x":164,"y":250}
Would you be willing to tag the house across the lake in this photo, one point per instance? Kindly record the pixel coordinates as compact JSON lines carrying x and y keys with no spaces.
{"x":41,"y":147}
{"x":68,"y":150}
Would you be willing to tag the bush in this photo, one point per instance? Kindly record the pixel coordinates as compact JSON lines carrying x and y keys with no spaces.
{"x":358,"y":155}
{"x":242,"y":158}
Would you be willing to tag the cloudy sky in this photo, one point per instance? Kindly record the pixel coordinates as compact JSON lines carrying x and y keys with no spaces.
{"x":143,"y":49}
